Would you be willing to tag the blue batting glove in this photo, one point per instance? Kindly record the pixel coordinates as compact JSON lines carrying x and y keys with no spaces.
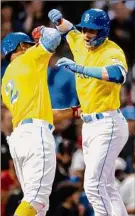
{"x":55,"y":16}
{"x":50,"y":39}
{"x":69,"y":64}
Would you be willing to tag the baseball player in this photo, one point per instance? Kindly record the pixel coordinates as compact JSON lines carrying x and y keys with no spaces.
{"x":25,"y":93}
{"x":100,"y":69}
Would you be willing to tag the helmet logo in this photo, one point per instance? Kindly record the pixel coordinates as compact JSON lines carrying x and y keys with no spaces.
{"x":86,"y":18}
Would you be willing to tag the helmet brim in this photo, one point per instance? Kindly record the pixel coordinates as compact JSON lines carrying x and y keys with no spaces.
{"x":29,"y":42}
{"x":89,"y":26}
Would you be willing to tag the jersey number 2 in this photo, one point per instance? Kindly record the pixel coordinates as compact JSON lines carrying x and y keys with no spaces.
{"x":10,"y":91}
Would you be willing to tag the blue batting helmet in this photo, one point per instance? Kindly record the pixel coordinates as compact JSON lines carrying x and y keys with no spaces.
{"x":12,"y":40}
{"x":96,"y":19}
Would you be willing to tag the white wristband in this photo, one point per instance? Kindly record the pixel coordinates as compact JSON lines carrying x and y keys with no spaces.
{"x":65,"y":26}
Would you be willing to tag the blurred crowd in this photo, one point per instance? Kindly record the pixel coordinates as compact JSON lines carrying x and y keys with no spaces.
{"x":68,"y":197}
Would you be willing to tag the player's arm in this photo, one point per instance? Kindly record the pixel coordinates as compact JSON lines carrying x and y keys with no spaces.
{"x":66,"y":28}
{"x":50,"y":38}
{"x":130,"y":210}
{"x":47,"y":40}
{"x":114,"y":73}
{"x":63,"y":25}
{"x":60,"y":115}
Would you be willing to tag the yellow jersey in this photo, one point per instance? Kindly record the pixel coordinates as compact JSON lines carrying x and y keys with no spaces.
{"x":25,"y":86}
{"x":96,"y":95}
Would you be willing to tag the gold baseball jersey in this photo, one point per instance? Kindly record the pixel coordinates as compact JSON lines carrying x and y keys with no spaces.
{"x":25,"y":86}
{"x":96,"y":95}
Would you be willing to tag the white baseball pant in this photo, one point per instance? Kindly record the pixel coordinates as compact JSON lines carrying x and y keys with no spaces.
{"x":103,"y":140}
{"x":32,"y":148}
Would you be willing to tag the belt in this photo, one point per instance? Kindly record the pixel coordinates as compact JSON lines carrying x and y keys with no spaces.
{"x":37,"y":121}
{"x":97,"y":116}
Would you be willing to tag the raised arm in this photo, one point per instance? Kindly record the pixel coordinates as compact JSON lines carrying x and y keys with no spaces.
{"x":47,"y":40}
{"x":67,"y":30}
{"x":63,"y":25}
{"x":50,"y":38}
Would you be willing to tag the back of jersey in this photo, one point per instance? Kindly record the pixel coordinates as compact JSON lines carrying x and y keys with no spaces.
{"x":24,"y":86}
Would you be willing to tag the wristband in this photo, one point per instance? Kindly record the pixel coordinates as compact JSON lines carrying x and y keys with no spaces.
{"x":76,"y":113}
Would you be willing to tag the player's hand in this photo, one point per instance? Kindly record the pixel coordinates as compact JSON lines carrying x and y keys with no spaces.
{"x":37,"y":33}
{"x":55,"y":16}
{"x":68,"y":63}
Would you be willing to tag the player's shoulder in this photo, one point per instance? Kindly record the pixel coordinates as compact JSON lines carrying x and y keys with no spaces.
{"x":37,"y":51}
{"x":19,"y":66}
{"x":113,"y":47}
{"x":10,"y":70}
{"x":29,"y":52}
{"x":74,"y":34}
{"x":113,"y":54}
{"x":110,"y":49}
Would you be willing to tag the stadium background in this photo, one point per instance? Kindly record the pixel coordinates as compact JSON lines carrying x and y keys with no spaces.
{"x":26,"y":15}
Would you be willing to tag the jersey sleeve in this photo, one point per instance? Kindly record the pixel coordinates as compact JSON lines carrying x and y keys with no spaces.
{"x":38,"y":53}
{"x":113,"y":57}
{"x":72,"y":38}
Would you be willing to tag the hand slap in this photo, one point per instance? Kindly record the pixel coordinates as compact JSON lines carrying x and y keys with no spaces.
{"x":55,"y":16}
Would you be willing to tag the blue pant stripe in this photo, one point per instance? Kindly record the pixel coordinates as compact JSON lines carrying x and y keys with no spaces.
{"x":43,"y":167}
{"x":104,"y":165}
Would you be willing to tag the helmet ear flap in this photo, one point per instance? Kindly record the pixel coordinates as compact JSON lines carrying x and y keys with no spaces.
{"x":8,"y":56}
{"x":101,"y":37}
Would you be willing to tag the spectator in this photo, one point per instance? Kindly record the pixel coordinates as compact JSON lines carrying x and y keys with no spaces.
{"x":5,"y":155}
{"x":68,"y":194}
{"x":9,"y":182}
{"x":87,"y":206}
{"x":6,"y":121}
{"x":77,"y":164}
{"x":6,"y":184}
{"x":6,"y":128}
{"x":13,"y":201}
{"x":8,"y":18}
{"x":133,"y":70}
{"x":127,"y":192}
{"x":129,"y":148}
{"x":6,"y":27}
{"x":65,"y":130}
{"x":125,"y":96}
{"x":122,"y":30}
{"x":33,"y":15}
{"x":120,"y":167}
{"x":133,"y":89}
{"x":64,"y":156}
{"x":6,"y":12}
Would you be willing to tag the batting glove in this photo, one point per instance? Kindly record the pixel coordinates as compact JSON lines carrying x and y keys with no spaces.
{"x":50,"y":39}
{"x":55,"y":16}
{"x":37,"y":33}
{"x":71,"y":65}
